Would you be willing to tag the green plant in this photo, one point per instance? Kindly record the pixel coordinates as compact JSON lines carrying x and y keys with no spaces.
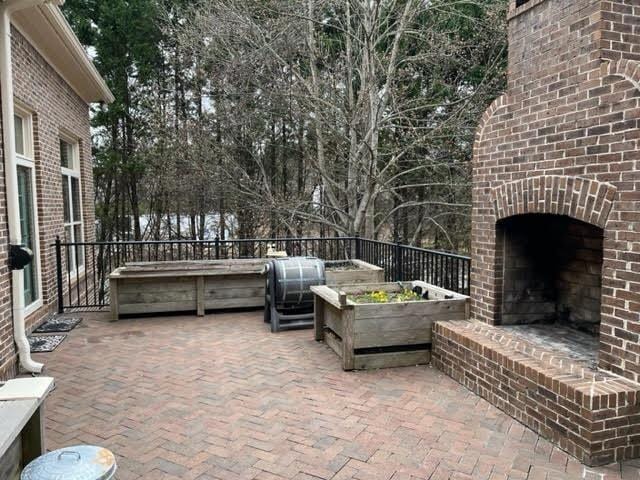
{"x":380,"y":296}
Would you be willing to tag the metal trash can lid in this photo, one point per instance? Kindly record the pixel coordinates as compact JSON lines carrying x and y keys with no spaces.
{"x":82,"y":462}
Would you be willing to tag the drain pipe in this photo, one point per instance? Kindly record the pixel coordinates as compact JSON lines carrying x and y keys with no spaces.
{"x":7,"y":7}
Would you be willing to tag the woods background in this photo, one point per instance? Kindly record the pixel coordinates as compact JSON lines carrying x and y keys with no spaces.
{"x":276,"y":118}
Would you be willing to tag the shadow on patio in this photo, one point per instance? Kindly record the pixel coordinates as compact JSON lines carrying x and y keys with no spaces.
{"x":219,"y":397}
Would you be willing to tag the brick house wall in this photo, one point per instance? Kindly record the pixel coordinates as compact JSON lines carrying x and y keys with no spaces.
{"x":564,"y":140}
{"x":56,"y":109}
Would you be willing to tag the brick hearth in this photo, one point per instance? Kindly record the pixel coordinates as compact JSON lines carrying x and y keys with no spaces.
{"x":594,"y":416}
{"x":556,"y":180}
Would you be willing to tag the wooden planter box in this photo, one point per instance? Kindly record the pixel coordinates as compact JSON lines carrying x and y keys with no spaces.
{"x":378,"y":335}
{"x":186,"y":286}
{"x":357,"y":271}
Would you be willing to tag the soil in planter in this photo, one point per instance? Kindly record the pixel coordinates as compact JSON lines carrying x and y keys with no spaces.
{"x":341,"y":265}
{"x":379,"y":296}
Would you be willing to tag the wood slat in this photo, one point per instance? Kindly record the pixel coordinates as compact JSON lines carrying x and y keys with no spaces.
{"x":421,"y":307}
{"x":366,"y":273}
{"x":130,"y":296}
{"x":190,"y":268}
{"x":158,"y":307}
{"x":390,"y":338}
{"x":240,"y":302}
{"x":386,"y":360}
{"x":388,"y":324}
{"x":333,"y":342}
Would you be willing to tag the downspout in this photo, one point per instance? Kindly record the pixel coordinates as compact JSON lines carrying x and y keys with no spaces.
{"x":8,"y":7}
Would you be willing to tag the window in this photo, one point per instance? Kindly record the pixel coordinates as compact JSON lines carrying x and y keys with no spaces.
{"x":27,"y":206}
{"x":21,"y":144}
{"x":72,"y":203}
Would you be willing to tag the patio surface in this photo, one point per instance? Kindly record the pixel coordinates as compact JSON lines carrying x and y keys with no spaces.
{"x":220,"y":397}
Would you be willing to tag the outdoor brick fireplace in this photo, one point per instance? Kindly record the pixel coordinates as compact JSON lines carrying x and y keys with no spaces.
{"x":556,"y":232}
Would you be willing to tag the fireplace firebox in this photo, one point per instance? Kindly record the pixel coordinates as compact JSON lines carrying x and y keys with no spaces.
{"x":552,"y":271}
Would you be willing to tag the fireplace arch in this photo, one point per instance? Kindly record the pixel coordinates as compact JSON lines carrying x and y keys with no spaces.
{"x":549,"y":250}
{"x":583,"y":199}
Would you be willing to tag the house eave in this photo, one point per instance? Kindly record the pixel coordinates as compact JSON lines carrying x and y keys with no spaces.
{"x":46,"y":28}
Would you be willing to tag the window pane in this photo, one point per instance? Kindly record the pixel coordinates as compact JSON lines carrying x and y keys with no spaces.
{"x":28,"y":230}
{"x":75,"y":196}
{"x":65,"y":199}
{"x":66,"y":154}
{"x":70,"y":257}
{"x":19,"y":134}
{"x":77,"y":233}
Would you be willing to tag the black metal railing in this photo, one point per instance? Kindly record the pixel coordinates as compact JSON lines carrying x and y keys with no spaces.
{"x":404,"y":262}
{"x":83,"y":268}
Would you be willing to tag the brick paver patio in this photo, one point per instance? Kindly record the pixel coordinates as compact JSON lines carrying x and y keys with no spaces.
{"x":220,"y":397}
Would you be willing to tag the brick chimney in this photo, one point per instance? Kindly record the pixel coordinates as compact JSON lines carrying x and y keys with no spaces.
{"x":563,"y":143}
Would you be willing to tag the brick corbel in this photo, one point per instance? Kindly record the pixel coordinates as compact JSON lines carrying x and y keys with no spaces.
{"x":584,"y":199}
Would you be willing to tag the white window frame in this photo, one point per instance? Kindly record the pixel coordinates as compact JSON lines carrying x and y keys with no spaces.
{"x":74,"y":171}
{"x":28,"y":160}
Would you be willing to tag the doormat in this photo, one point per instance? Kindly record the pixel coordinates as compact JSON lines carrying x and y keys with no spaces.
{"x":45,"y":343}
{"x":58,"y":324}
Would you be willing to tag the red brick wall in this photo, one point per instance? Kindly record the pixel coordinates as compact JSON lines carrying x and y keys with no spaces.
{"x":564,"y":140}
{"x":56,"y":109}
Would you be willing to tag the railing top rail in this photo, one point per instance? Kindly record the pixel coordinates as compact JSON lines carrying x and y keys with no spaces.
{"x":437,"y":252}
{"x":379,"y":242}
{"x":190,"y":242}
{"x":418,"y":249}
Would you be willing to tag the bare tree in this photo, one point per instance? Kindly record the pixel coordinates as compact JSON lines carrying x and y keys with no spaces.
{"x":277,"y":117}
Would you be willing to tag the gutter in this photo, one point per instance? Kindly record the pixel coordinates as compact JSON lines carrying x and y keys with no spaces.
{"x":8,"y":7}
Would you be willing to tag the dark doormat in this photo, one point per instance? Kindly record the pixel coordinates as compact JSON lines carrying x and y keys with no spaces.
{"x":58,"y":324}
{"x":45,"y":343}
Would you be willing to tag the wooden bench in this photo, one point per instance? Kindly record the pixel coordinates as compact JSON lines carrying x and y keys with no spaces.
{"x":186,"y":286}
{"x":21,"y":423}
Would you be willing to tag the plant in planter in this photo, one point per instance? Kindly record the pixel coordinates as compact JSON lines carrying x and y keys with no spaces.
{"x":380,"y":296}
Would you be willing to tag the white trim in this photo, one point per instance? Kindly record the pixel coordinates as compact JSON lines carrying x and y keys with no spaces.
{"x":59,"y":22}
{"x":36,"y":234}
{"x":27,"y":133}
{"x":62,"y":51}
{"x":28,"y":161}
{"x":73,"y":172}
{"x":33,"y":306}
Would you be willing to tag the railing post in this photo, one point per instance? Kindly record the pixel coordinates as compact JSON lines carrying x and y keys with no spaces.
{"x":357,"y":241}
{"x":59,"y":275}
{"x":398,"y":255}
{"x":217,"y":247}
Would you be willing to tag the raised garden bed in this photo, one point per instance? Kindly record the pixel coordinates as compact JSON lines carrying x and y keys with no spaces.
{"x":383,"y":324}
{"x":345,"y":272}
{"x":186,"y":286}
